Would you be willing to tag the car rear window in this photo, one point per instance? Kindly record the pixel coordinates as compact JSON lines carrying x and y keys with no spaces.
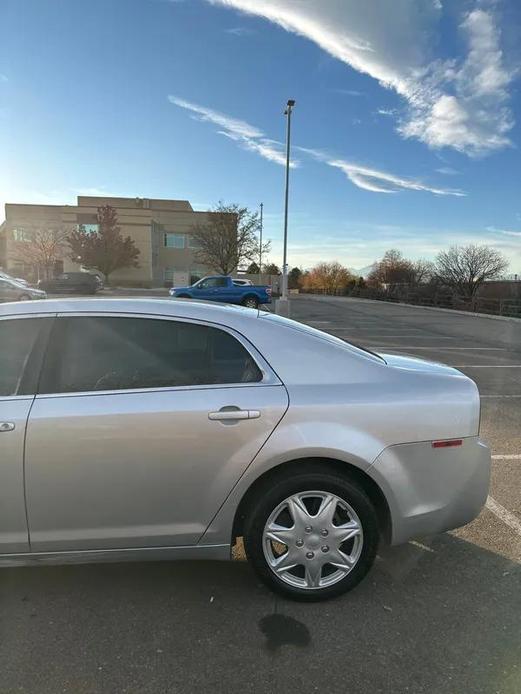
{"x":94,"y":353}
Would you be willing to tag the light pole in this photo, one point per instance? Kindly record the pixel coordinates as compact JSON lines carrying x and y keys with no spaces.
{"x":287,"y":113}
{"x":260,"y":244}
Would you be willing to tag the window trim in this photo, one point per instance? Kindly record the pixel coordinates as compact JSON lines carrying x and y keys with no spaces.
{"x":174,"y":233}
{"x":269,"y":377}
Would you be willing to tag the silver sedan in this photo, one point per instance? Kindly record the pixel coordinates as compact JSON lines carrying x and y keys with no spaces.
{"x":152,"y":429}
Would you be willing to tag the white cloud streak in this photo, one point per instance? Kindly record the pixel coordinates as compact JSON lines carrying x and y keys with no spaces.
{"x":376,"y":180}
{"x":252,"y":139}
{"x":247,"y":136}
{"x":460,"y":103}
{"x":505,"y":232}
{"x":387,"y":112}
{"x":447,"y":171}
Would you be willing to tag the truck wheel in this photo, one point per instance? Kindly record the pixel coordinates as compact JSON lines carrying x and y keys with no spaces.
{"x":250,"y":302}
{"x":183,"y":296}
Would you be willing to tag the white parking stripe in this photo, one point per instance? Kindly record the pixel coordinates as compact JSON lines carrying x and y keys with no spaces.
{"x":503,"y":514}
{"x":507,"y":456}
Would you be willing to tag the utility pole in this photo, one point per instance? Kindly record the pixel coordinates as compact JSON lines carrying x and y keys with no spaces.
{"x":260,"y":244}
{"x":287,"y":113}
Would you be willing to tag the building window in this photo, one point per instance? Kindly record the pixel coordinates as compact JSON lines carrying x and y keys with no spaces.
{"x":174,"y":240}
{"x":168,"y":274}
{"x":193,"y":242}
{"x":22,"y":235}
{"x":90,"y":228}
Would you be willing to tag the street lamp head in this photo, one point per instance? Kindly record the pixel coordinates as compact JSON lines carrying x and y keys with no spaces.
{"x":291,"y":103}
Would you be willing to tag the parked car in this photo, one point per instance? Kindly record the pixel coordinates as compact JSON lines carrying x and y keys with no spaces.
{"x":198,"y":424}
{"x":11,"y":290}
{"x":20,"y":280}
{"x":72,"y":282}
{"x":224,"y":289}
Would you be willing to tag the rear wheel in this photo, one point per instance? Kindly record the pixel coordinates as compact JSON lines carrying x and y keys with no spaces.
{"x":311,"y":535}
{"x":250,"y":302}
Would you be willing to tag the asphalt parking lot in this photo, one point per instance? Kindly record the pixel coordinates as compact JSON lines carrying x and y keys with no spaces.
{"x":438,"y":615}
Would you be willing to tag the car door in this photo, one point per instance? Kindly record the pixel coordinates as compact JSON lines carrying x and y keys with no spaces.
{"x":213,"y":289}
{"x":20,"y":351}
{"x":8,"y":291}
{"x":140,"y":430}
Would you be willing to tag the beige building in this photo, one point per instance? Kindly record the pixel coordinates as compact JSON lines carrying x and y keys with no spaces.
{"x":160,"y":229}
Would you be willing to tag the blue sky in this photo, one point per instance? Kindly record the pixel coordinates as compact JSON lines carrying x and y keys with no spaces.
{"x":405,"y":131}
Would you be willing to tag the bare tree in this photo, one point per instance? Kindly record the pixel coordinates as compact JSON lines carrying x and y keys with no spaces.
{"x":41,"y":249}
{"x":229,"y":238}
{"x":465,"y":268}
{"x":422,"y":271}
{"x":328,"y":277}
{"x":393,"y":269}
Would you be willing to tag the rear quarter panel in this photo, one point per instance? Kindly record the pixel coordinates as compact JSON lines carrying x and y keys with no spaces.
{"x":350,"y":407}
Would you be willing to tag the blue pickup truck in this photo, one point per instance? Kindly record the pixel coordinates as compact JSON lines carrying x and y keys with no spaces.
{"x":223,"y":288}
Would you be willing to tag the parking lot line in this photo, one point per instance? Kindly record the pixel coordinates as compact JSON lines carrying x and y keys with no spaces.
{"x":507,"y":456}
{"x":503,"y":514}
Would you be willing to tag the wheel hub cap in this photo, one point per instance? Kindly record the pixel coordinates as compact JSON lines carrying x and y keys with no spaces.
{"x":293,"y":540}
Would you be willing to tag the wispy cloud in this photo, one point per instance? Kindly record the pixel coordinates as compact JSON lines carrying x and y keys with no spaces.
{"x":376,"y":180}
{"x":448,"y":171}
{"x":245,"y":135}
{"x":387,"y":111}
{"x":505,"y":232}
{"x":239,"y":31}
{"x":349,"y":92}
{"x":251,"y":138}
{"x":462,"y":103}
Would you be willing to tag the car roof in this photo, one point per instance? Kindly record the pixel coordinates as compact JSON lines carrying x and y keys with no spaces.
{"x":225,"y":314}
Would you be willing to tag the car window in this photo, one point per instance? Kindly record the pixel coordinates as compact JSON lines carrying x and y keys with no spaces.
{"x":17,"y":338}
{"x":109,"y":353}
{"x":213,"y":282}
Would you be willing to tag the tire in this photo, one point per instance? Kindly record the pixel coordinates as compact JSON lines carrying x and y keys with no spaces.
{"x":24,"y":297}
{"x":306,"y":484}
{"x":250,"y":302}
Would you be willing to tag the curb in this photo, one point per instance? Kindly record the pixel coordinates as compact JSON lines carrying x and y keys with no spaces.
{"x":470,"y":314}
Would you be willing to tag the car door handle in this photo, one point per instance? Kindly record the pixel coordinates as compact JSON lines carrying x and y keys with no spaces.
{"x":231,"y":415}
{"x":7,"y":426}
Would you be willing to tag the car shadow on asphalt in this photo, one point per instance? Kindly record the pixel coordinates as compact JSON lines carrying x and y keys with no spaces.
{"x":436,"y":616}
